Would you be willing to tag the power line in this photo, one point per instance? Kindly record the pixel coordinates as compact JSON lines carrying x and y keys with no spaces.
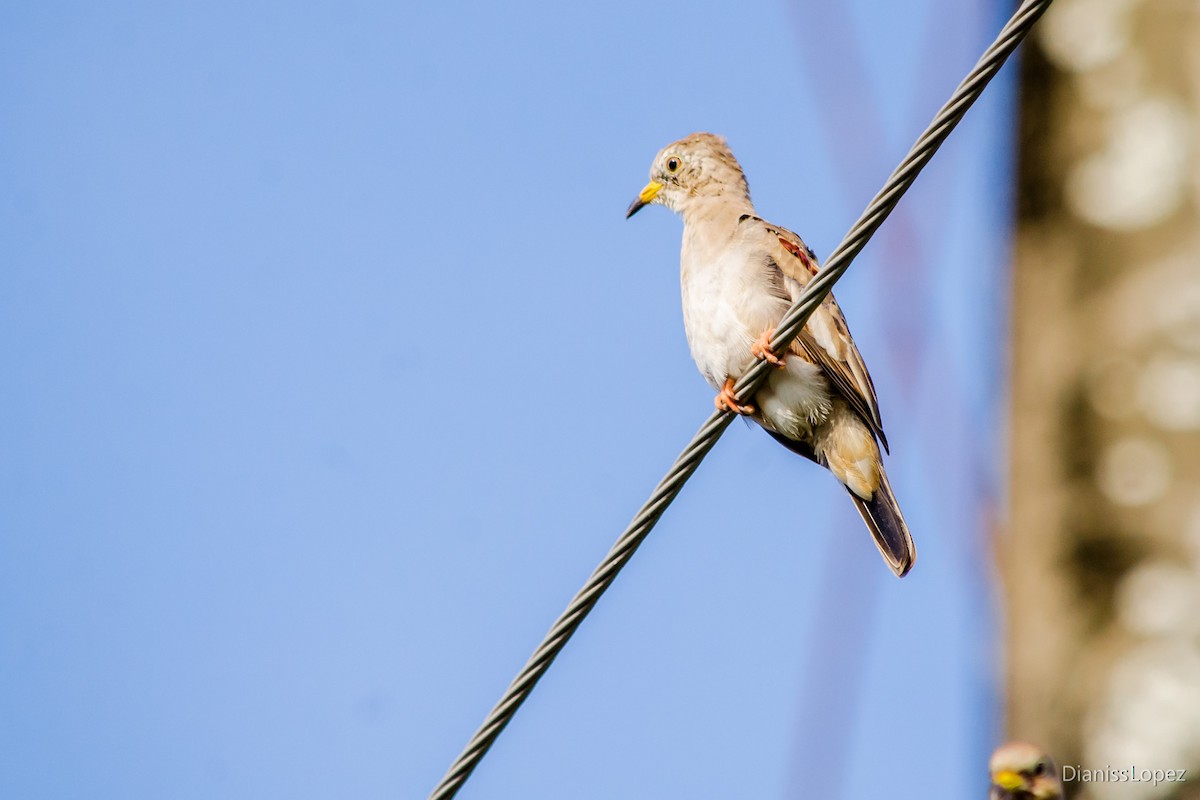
{"x":810,"y":299}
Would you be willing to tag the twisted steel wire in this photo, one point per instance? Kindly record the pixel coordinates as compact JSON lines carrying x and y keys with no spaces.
{"x":789,"y":327}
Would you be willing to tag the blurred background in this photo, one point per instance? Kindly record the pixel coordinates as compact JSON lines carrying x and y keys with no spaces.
{"x":332,"y":368}
{"x":1102,"y":556}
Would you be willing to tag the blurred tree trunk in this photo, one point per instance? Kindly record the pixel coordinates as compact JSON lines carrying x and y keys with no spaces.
{"x":1101,"y":562}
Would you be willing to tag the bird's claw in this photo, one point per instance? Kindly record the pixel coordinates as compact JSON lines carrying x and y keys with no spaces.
{"x":762,"y":348}
{"x":726,"y":401}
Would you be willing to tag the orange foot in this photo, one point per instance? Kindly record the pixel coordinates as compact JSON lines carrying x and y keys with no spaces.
{"x":725,"y":401}
{"x":762,"y":348}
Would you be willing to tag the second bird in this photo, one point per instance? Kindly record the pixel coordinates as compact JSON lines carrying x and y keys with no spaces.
{"x":740,"y":274}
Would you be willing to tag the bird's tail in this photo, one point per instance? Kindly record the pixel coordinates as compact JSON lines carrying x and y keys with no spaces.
{"x":883,"y":517}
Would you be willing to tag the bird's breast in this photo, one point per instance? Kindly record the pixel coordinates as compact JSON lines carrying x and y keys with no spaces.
{"x":727,"y":304}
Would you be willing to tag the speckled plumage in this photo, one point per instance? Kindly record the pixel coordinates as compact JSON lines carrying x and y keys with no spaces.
{"x":739,"y":275}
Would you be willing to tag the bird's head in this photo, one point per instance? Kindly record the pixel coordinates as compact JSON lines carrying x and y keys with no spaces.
{"x":1021,"y":771}
{"x":696,"y":167}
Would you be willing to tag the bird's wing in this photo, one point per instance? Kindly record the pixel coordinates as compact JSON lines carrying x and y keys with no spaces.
{"x":825,"y":339}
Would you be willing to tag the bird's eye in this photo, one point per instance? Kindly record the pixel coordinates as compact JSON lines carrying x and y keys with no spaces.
{"x":1040,"y":769}
{"x":672,"y":164}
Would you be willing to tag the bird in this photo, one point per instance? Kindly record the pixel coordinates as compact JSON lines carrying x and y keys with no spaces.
{"x":1021,"y":771}
{"x":739,"y":275}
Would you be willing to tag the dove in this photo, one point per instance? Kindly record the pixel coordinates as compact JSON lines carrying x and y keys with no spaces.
{"x":739,"y":275}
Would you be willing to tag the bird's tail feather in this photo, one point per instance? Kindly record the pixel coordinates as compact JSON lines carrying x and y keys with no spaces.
{"x":883,"y":517}
{"x":881,"y":513}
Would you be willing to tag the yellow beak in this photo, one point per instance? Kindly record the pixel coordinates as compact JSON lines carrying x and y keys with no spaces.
{"x":1008,"y":780}
{"x":646,"y":196}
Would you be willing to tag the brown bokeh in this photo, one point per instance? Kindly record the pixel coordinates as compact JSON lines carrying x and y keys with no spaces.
{"x":1101,"y":556}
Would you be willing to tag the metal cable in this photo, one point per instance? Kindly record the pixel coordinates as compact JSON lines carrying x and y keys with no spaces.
{"x":810,"y":299}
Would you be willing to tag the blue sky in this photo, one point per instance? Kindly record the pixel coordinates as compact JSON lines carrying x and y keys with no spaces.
{"x":332,"y":368}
